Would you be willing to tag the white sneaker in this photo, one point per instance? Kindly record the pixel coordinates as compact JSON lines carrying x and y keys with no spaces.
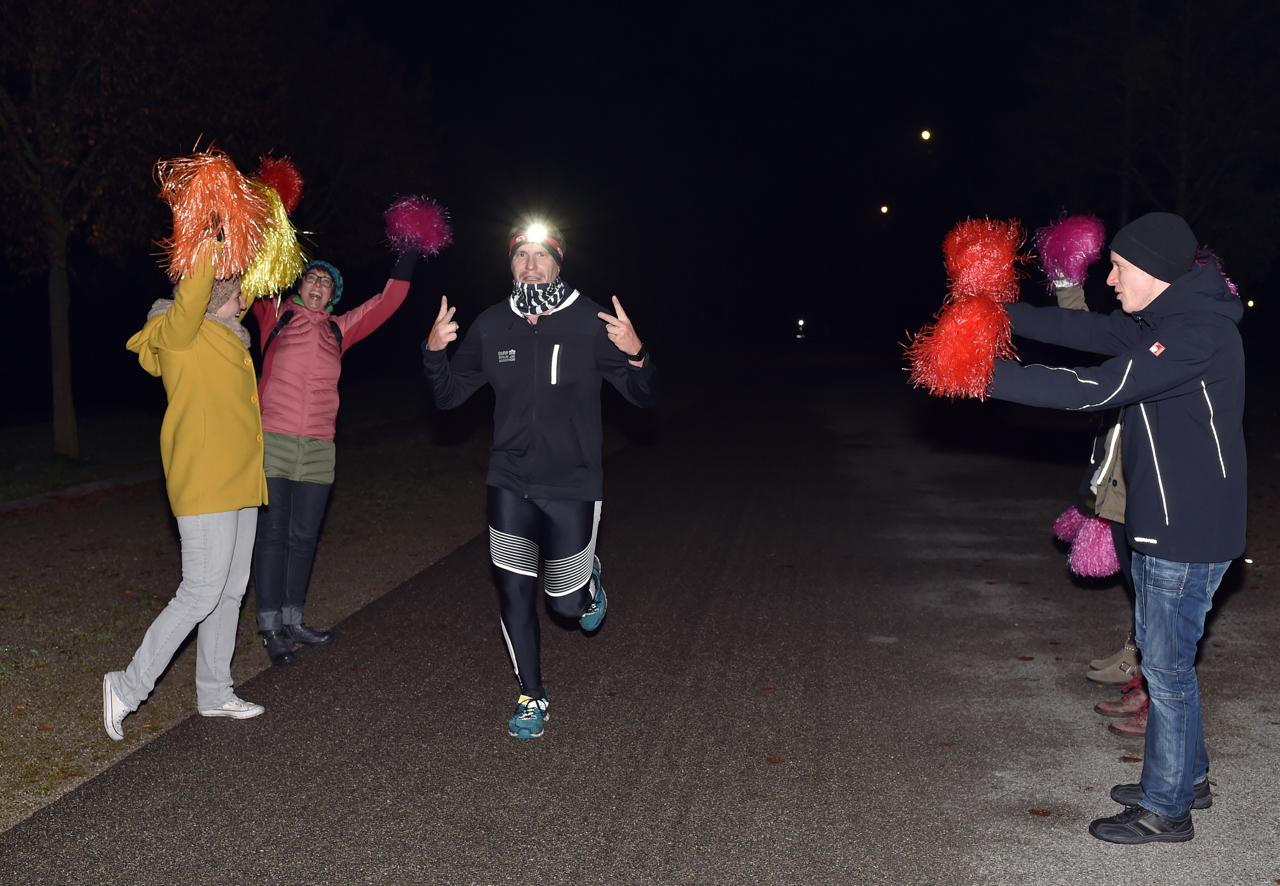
{"x":237,"y":709}
{"x":113,"y":710}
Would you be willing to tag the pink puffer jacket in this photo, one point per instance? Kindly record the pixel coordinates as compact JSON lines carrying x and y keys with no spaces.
{"x":298,"y":391}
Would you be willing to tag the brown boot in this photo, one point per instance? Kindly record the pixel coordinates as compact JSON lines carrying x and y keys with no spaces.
{"x":1135,"y":726}
{"x":1129,"y":703}
{"x":1121,"y":671}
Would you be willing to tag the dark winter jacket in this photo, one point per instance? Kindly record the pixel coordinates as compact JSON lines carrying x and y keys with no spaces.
{"x":547,"y":436}
{"x":1179,"y":371}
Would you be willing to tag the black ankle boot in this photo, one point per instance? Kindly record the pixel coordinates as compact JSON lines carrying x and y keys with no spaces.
{"x":279,"y":649}
{"x":300,"y":633}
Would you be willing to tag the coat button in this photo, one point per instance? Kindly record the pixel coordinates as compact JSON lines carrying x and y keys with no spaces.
{"x":253,"y":399}
{"x":259,"y":438}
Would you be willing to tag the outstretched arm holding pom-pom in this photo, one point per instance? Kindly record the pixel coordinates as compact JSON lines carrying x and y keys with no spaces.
{"x":303,"y":348}
{"x":954,"y":356}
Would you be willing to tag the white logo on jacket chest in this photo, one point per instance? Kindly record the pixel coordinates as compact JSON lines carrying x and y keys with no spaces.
{"x":1157,"y":349}
{"x":507,"y":356}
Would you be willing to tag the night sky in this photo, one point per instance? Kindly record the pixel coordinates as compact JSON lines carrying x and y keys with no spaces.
{"x":720,"y":170}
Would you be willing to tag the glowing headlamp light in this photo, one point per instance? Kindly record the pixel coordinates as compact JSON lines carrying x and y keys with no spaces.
{"x":536,"y":234}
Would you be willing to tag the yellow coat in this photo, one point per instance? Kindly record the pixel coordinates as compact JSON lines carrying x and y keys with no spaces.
{"x":211,"y":438}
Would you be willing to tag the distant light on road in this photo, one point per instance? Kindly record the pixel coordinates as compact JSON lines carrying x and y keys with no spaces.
{"x":926,"y":135}
{"x":884,"y":209}
{"x":1249,"y":302}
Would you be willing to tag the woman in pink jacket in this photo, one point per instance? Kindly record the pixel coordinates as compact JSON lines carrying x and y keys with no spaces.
{"x":302,"y":346}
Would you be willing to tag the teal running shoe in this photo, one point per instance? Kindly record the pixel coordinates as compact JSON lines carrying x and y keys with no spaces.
{"x":592,"y":618}
{"x":531,"y":714}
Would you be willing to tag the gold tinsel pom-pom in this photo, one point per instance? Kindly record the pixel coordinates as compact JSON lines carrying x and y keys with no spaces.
{"x":280,"y":259}
{"x":210,"y":198}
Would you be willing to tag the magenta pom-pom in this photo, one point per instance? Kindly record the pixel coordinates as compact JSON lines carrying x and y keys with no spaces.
{"x":1204,"y":256}
{"x":1069,"y":246}
{"x":418,"y":223}
{"x":283,"y":177}
{"x":1067,"y":527}
{"x":1093,"y":553}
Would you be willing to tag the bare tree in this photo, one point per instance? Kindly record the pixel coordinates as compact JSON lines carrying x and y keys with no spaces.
{"x":87,"y":88}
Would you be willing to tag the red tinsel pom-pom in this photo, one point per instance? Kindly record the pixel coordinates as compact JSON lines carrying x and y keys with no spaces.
{"x":283,"y":177}
{"x":418,"y":223}
{"x":955,"y":357}
{"x":981,"y":256}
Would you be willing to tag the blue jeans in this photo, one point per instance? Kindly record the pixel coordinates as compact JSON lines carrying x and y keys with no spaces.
{"x":1172,"y":600}
{"x":288,"y":530}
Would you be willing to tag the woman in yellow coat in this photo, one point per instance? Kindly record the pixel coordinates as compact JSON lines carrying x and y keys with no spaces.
{"x":211,"y":446}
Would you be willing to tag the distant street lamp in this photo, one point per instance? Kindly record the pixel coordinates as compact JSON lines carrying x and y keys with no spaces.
{"x":884,"y":210}
{"x":800,"y":330}
{"x":926,"y":134}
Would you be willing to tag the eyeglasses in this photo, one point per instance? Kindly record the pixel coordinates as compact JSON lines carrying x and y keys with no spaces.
{"x":319,"y":280}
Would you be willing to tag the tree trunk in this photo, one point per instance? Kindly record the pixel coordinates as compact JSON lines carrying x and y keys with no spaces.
{"x":66,"y":441}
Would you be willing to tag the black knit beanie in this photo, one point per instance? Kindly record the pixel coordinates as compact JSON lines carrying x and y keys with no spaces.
{"x":1159,"y":243}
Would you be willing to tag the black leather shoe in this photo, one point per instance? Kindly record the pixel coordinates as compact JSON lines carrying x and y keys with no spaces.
{"x":307,"y":636}
{"x":279,"y":649}
{"x":1131,"y":795}
{"x":1138,"y":824}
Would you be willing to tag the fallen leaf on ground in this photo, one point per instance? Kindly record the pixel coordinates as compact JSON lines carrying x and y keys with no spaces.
{"x":1040,"y":812}
{"x":45,"y":726}
{"x":1026,"y":658}
{"x":19,"y":707}
{"x":768,"y":686}
{"x":774,"y":760}
{"x":1130,"y":759}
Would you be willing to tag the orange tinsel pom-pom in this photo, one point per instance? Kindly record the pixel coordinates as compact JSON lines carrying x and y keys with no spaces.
{"x":210,"y":199}
{"x":955,"y":357}
{"x":981,"y":257}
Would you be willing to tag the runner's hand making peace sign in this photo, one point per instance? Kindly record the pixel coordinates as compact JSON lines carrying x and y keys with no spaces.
{"x":621,"y":332}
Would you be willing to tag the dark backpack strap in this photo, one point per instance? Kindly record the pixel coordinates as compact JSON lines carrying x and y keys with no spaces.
{"x":337,"y":333}
{"x":284,"y":318}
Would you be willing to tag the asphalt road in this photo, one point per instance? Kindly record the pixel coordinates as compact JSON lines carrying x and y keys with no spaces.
{"x":842,"y":647}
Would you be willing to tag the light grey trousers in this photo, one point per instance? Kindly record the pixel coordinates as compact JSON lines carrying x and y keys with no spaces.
{"x":216,"y":552}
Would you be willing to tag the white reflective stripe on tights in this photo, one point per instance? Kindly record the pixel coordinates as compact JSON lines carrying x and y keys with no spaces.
{"x":511,"y":651}
{"x":513,"y":553}
{"x":566,"y":575}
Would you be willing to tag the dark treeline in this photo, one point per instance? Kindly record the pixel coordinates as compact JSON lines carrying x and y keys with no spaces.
{"x":93,"y":97}
{"x":723,"y":176}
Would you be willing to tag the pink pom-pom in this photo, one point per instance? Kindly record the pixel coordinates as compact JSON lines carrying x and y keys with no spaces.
{"x":980,"y":256}
{"x":1067,"y":527}
{"x":418,"y":223}
{"x":1069,"y":246}
{"x":1204,"y":256}
{"x":283,"y":177}
{"x":1093,"y":553}
{"x":955,"y":357}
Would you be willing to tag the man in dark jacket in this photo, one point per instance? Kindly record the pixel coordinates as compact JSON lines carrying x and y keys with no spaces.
{"x":545,"y":350}
{"x":1177,"y":368}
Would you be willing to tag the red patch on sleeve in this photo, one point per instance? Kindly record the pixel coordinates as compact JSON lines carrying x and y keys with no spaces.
{"x":1156,"y":349}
